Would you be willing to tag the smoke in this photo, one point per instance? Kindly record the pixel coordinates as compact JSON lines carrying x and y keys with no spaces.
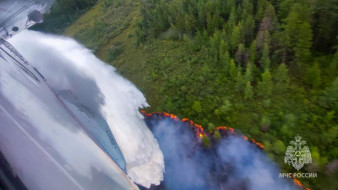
{"x":251,"y":165}
{"x":69,"y":66}
{"x":183,"y":157}
{"x":233,"y":163}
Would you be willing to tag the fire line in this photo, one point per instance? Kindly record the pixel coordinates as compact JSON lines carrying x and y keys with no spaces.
{"x":201,"y":133}
{"x":199,"y":128}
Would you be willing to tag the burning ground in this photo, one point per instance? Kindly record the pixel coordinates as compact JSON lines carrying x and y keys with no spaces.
{"x":232,"y":162}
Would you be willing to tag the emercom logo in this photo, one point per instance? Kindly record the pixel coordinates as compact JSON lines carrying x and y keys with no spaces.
{"x":297,"y":155}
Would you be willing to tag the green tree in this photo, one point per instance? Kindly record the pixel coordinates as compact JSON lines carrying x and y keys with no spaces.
{"x":333,"y":67}
{"x":217,"y":135}
{"x":248,"y":93}
{"x":217,"y":113}
{"x":260,"y":10}
{"x":253,"y":49}
{"x":240,"y":82}
{"x":248,"y":73}
{"x":270,"y":20}
{"x":298,"y":32}
{"x":330,"y":97}
{"x":278,"y":147}
{"x":240,"y":55}
{"x":210,"y":26}
{"x":233,"y":70}
{"x":211,"y":127}
{"x":190,"y":24}
{"x":225,"y":108}
{"x":303,"y":44}
{"x":265,"y":85}
{"x":313,"y":75}
{"x":248,"y":29}
{"x":247,"y":9}
{"x":285,"y":131}
{"x":232,"y":18}
{"x":265,"y":123}
{"x":324,"y":23}
{"x":225,"y":61}
{"x":236,"y":37}
{"x":170,"y":106}
{"x":206,"y":142}
{"x":265,"y":59}
{"x":197,"y":107}
{"x":284,"y":8}
{"x":317,"y":158}
{"x":281,"y":78}
{"x":290,"y":120}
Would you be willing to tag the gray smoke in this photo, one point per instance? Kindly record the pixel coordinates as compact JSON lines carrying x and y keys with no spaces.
{"x":232,"y":163}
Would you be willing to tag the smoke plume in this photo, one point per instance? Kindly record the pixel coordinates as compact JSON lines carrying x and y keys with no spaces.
{"x":232,"y":163}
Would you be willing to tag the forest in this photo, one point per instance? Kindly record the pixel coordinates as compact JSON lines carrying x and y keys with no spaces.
{"x":268,"y":68}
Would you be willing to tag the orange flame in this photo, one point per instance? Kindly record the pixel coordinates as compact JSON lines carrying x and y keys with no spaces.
{"x":221,"y":128}
{"x":300,"y":185}
{"x":244,"y":137}
{"x":198,"y":128}
{"x":257,"y":143}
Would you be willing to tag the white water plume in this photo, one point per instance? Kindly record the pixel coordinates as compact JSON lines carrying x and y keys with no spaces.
{"x":69,"y":66}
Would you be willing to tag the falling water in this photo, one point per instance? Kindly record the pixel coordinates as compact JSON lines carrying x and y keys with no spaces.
{"x":68,"y":66}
